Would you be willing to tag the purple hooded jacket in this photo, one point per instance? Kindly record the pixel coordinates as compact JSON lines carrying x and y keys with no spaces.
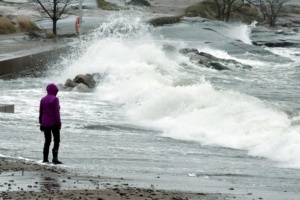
{"x":49,"y":108}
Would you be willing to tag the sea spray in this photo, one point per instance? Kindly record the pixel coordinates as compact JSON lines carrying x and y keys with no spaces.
{"x":241,"y":32}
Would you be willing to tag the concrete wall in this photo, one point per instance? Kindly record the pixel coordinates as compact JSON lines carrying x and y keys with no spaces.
{"x":36,"y":60}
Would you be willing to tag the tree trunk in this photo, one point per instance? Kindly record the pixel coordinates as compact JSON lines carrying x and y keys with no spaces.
{"x":223,"y":11}
{"x":54,"y":18}
{"x":228,"y":12}
{"x":272,"y":21}
{"x":219,"y":9}
{"x":54,"y":27}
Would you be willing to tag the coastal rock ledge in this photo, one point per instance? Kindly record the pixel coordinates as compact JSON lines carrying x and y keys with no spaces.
{"x":209,"y":61}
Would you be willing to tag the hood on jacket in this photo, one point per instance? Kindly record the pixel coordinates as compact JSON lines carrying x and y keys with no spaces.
{"x":52,"y":89}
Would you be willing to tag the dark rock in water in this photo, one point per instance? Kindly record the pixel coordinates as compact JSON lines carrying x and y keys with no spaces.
{"x":282,"y":37}
{"x":139,"y":3}
{"x":218,"y":66}
{"x":87,"y":79}
{"x":209,"y":61}
{"x":274,"y":43}
{"x":224,"y":62}
{"x":208,"y":56}
{"x":186,"y":51}
{"x":70,"y":83}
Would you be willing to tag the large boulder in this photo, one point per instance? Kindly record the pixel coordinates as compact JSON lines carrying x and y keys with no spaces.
{"x":89,"y":80}
{"x":86,"y":79}
{"x":70,"y":83}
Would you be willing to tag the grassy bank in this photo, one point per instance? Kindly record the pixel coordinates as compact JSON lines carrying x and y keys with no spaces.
{"x":16,"y":25}
{"x":207,"y":9}
{"x":107,"y":5}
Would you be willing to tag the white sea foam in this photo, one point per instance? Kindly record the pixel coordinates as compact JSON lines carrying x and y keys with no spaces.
{"x":291,"y":53}
{"x":142,"y":77}
{"x":241,"y":32}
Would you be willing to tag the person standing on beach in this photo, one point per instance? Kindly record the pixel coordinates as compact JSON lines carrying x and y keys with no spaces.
{"x":50,"y":123}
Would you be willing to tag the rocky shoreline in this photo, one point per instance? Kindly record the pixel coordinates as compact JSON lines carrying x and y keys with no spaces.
{"x":23,"y":179}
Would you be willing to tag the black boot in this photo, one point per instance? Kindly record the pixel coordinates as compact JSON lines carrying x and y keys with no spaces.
{"x":45,"y":155}
{"x":55,"y":159}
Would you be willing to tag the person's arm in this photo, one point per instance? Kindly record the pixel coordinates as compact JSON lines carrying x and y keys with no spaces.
{"x":40,"y":113}
{"x":57,"y":112}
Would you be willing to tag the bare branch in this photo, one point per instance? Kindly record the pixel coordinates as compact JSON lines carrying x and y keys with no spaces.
{"x":269,"y":8}
{"x":55,"y":9}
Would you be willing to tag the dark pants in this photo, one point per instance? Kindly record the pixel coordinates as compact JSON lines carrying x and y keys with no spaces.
{"x":48,"y":132}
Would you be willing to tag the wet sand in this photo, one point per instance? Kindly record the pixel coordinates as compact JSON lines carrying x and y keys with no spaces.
{"x":23,"y":179}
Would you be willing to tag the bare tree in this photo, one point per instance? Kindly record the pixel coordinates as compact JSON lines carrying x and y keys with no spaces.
{"x":226,"y":7}
{"x":270,"y":9}
{"x":54,"y":9}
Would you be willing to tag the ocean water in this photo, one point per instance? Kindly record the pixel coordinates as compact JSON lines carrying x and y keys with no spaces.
{"x":155,"y":117}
